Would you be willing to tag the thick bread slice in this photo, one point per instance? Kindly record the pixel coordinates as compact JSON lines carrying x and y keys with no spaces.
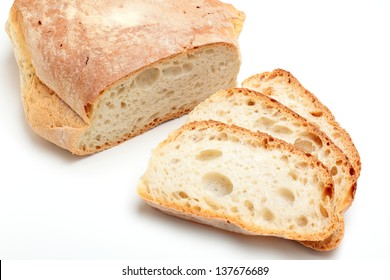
{"x":239,"y":180}
{"x":257,"y":112}
{"x":94,"y":74}
{"x":285,"y":88}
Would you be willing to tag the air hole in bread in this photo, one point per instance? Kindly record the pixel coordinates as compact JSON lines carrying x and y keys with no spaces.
{"x":293,"y":175}
{"x":334,"y":171}
{"x":249,"y":206}
{"x":153,"y":117}
{"x":264,"y":122}
{"x":221,"y":113}
{"x":284,"y":158}
{"x":173,"y":71}
{"x":317,"y":114}
{"x":147,"y":78}
{"x":323,"y":211}
{"x":191,"y":57}
{"x":301,"y":165}
{"x":305,"y":145}
{"x":286,"y":194}
{"x":188,"y":67}
{"x":121,"y":90}
{"x":302,"y":221}
{"x":208,"y":155}
{"x":217,"y":184}
{"x":281,"y":129}
{"x":312,"y":137}
{"x":268,"y":215}
{"x":212,"y":204}
{"x":336,"y":135}
{"x":250,"y":102}
{"x":123,"y":105}
{"x":183,"y":195}
{"x":197,"y":208}
{"x":210,"y":51}
{"x":328,"y":192}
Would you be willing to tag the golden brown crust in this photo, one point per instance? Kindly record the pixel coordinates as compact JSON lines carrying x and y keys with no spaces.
{"x":79,"y":48}
{"x":351,"y":151}
{"x":256,"y":139}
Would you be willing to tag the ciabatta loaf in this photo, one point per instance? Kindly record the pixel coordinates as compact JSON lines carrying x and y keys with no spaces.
{"x":96,"y":73}
{"x":232,"y":178}
{"x":284,"y":87}
{"x":257,"y":112}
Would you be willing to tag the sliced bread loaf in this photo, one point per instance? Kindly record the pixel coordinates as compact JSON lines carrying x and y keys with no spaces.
{"x":284,"y":87}
{"x":257,"y":112}
{"x":96,"y":73}
{"x":248,"y":182}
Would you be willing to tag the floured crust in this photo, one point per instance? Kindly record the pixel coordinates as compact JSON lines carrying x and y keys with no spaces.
{"x":255,"y":139}
{"x":79,"y":48}
{"x":258,"y":81}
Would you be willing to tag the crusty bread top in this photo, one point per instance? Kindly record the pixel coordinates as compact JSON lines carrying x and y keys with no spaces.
{"x":79,"y":48}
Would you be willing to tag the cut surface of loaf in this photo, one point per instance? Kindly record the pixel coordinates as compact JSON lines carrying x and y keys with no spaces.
{"x":114,"y":69}
{"x":285,"y":88}
{"x":235,"y":179}
{"x":257,"y":112}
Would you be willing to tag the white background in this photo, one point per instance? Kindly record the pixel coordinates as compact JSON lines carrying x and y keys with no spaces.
{"x":57,"y":206}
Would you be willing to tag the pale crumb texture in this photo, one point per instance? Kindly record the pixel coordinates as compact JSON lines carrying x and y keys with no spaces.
{"x":173,"y":87}
{"x":284,"y":87}
{"x":257,"y":112}
{"x":234,"y":179}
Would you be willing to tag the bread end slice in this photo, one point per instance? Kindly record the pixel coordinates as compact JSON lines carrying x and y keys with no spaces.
{"x":285,"y":88}
{"x":235,"y":179}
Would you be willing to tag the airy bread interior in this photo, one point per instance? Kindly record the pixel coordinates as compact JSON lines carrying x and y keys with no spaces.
{"x":159,"y":92}
{"x":213,"y":172}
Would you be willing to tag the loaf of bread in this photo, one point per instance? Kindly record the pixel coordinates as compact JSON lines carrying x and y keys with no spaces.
{"x":257,"y":112}
{"x":248,"y":182}
{"x":285,"y":88}
{"x":96,"y":73}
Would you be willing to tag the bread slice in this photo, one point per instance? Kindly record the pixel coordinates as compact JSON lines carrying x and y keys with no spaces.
{"x":94,"y":74}
{"x":231,"y":178}
{"x":257,"y":112}
{"x":284,"y":87}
